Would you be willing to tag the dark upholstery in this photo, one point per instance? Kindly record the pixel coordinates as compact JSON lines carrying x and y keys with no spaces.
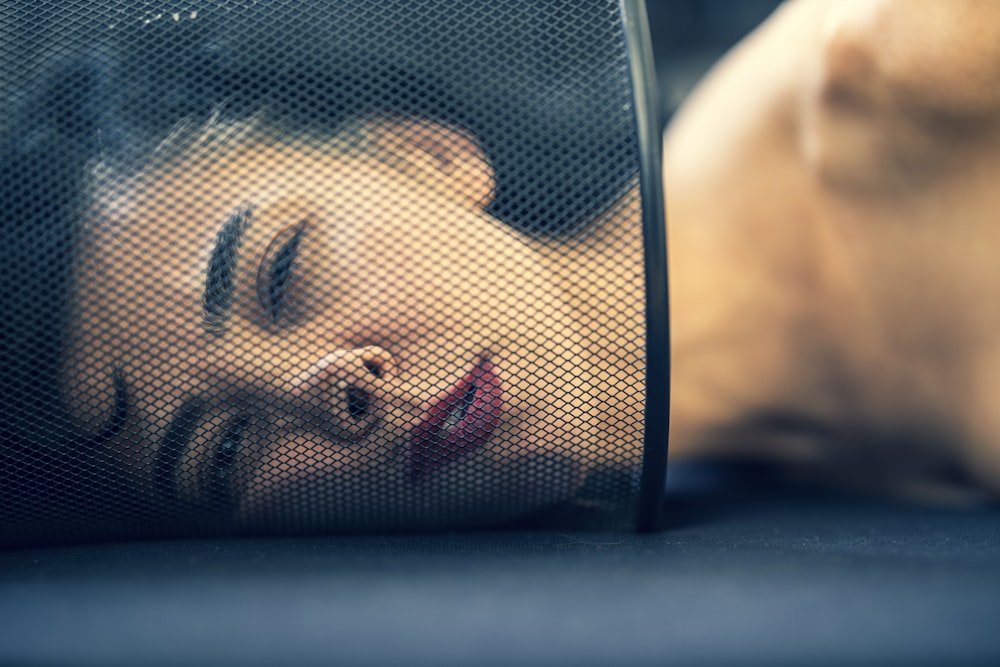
{"x":737,"y":578}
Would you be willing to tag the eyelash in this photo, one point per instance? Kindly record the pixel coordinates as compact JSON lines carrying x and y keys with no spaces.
{"x":275,"y":270}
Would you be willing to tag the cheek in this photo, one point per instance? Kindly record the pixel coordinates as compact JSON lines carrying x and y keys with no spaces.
{"x":292,"y":460}
{"x":303,"y":480}
{"x":554,"y":403}
{"x":305,"y":485}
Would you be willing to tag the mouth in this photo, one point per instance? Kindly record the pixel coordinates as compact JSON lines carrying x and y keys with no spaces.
{"x":460,"y":421}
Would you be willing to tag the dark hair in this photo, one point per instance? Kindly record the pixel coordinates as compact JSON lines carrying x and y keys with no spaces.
{"x":542,"y":92}
{"x":114,"y":82}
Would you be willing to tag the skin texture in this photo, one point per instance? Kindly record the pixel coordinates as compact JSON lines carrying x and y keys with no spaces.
{"x":832,"y":199}
{"x":405,"y":307}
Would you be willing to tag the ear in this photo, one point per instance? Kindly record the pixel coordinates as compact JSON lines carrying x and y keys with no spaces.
{"x":442,"y":155}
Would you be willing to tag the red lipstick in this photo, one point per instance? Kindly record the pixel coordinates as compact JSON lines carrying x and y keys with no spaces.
{"x":459,"y":421}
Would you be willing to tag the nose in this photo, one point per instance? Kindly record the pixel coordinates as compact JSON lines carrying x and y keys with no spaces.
{"x":343,"y":392}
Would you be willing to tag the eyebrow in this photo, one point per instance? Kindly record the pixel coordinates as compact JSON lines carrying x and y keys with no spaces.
{"x":220,"y":276}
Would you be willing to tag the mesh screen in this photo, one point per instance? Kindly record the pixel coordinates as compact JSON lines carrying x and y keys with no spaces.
{"x":296,"y":267}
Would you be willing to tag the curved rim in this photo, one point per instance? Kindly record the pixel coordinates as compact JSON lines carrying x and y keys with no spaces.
{"x":657,"y":408}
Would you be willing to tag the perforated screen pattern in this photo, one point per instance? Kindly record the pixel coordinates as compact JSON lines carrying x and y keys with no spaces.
{"x":316,"y":267}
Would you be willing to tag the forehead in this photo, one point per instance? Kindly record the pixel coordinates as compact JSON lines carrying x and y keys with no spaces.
{"x":201,"y":172}
{"x":200,"y":186}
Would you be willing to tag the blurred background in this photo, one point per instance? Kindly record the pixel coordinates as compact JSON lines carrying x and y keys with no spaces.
{"x":690,"y":35}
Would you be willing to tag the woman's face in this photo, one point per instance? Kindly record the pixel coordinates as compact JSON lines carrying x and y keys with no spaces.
{"x":318,"y":337}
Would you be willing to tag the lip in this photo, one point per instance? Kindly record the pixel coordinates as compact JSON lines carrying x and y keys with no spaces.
{"x":460,"y":421}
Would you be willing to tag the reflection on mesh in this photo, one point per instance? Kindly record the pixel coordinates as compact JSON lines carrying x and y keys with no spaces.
{"x":308,"y":267}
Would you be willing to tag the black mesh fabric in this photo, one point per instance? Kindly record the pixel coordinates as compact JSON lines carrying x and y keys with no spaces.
{"x":298,"y":267}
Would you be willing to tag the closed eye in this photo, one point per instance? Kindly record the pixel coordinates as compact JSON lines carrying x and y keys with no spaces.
{"x":276,"y":270}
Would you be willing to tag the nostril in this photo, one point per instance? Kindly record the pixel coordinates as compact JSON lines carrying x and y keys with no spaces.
{"x":375,"y":367}
{"x":376,"y":362}
{"x":358,"y":402}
